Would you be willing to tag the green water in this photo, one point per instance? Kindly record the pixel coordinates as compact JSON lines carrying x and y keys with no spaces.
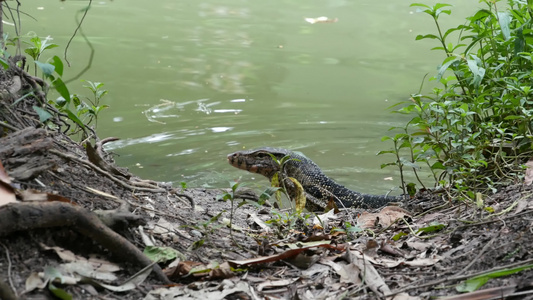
{"x":191,"y":81}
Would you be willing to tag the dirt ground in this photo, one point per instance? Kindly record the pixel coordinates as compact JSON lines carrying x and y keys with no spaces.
{"x":425,"y":248}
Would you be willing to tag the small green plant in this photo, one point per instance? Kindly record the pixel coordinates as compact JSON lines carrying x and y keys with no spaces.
{"x":231,"y":196}
{"x":90,"y":109}
{"x":295,"y":191}
{"x":285,"y":222}
{"x":474,"y":130}
{"x":349,"y":229}
{"x":183,"y":186}
{"x":37,"y":46}
{"x":206,"y":228}
{"x":84,"y":112}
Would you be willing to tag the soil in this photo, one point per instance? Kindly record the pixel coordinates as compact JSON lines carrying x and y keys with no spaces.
{"x":424,"y":248}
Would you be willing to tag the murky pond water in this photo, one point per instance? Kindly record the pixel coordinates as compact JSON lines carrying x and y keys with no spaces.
{"x":191,"y":81}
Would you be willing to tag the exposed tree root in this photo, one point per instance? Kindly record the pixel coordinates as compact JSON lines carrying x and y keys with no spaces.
{"x":31,"y":215}
{"x":116,"y":180}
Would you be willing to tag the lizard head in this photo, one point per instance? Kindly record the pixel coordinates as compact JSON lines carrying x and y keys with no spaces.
{"x":258,"y":160}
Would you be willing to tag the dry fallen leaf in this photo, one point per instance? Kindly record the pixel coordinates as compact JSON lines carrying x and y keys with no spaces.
{"x":31,"y":195}
{"x":348,"y":272}
{"x":385,"y":217}
{"x":284,"y":255}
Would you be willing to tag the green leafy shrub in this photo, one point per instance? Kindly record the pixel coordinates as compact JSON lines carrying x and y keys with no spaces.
{"x":81,"y":111}
{"x":474,"y":130}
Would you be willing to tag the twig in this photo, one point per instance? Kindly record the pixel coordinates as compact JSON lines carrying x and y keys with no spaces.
{"x":485,"y":248}
{"x":38,"y":92}
{"x":179,"y":195}
{"x":9,"y":126}
{"x":17,"y":25}
{"x":97,"y":169}
{"x":75,"y":31}
{"x":9,"y":264}
{"x":158,"y":212}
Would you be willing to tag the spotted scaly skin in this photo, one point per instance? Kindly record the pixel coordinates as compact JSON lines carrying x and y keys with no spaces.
{"x":318,"y":187}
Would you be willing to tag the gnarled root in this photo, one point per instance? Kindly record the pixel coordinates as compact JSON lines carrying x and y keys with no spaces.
{"x":31,"y":215}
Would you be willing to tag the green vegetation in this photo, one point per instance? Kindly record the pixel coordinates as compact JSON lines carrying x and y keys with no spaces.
{"x":474,"y":130}
{"x":66,"y":110}
{"x":85,"y":111}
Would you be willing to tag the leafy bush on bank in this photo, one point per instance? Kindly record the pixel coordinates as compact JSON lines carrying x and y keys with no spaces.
{"x":474,"y":130}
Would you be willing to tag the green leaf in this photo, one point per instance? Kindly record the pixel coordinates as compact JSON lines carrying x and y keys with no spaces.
{"x":234,"y":185}
{"x":399,"y":235}
{"x":58,"y":64}
{"x":419,"y":5}
{"x":520,"y":42}
{"x":62,"y":89}
{"x":49,"y":46}
{"x":47,"y":68}
{"x":438,"y":48}
{"x":354,"y":228}
{"x":471,"y":284}
{"x":514,"y":117}
{"x":400,"y":136}
{"x":76,"y":100}
{"x":440,"y":5}
{"x":160,"y":254}
{"x":266,"y":194}
{"x":43,"y":114}
{"x":447,"y":63}
{"x":411,"y":189}
{"x":224,"y":197}
{"x":480,"y":14}
{"x":22,"y":98}
{"x":387,"y":164}
{"x":434,"y":226}
{"x":475,"y":283}
{"x":505,"y":19}
{"x":478,"y":71}
{"x":427,"y":36}
{"x":4,"y":63}
{"x":196,"y":245}
{"x":215,"y":218}
{"x":58,"y":292}
{"x":410,"y":164}
{"x":33,"y":52}
{"x":386,"y":152}
{"x":452,"y":30}
{"x":74,"y":118}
